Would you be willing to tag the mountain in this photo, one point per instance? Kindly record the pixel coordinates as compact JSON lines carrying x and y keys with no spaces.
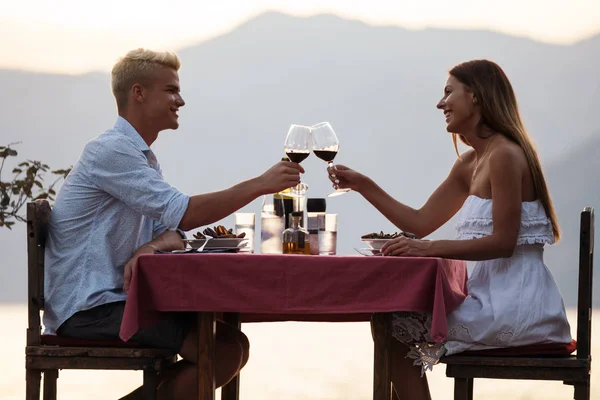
{"x":378,"y":86}
{"x":574,"y":185}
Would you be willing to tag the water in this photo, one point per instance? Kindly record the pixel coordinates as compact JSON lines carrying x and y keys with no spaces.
{"x":249,"y":231}
{"x":292,"y":361}
{"x":327,"y":242}
{"x":271,"y":228}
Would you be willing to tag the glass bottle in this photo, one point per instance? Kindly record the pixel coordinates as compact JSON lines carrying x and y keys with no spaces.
{"x":284,"y":203}
{"x":296,"y":239}
{"x":315,"y":213}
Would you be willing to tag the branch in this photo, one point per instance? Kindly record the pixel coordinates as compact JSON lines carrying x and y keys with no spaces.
{"x":15,"y":193}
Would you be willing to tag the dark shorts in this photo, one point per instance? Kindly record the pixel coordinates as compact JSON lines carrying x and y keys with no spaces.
{"x":104,"y":323}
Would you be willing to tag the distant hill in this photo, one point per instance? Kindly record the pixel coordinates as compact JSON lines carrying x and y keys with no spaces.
{"x":378,"y":86}
{"x":574,"y":185}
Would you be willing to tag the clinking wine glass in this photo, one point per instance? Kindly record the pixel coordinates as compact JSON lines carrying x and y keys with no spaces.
{"x":297,"y":147}
{"x":326,"y":146}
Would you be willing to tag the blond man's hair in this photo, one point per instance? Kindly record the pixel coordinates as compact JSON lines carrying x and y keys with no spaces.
{"x":139,"y":66}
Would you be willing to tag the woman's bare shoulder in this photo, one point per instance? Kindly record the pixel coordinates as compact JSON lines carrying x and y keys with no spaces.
{"x":507,"y":151}
{"x":466,"y":159}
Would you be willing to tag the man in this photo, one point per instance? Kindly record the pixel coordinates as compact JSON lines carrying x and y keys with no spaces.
{"x":115,"y":206}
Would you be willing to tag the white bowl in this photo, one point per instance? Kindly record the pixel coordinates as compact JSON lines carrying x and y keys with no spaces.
{"x":375,"y":244}
{"x":216,"y":243}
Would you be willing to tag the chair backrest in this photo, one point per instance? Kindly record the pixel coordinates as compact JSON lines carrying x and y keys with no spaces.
{"x":586,"y":266}
{"x":38,"y":217}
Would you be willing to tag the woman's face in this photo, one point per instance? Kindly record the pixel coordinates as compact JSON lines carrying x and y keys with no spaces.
{"x":459,"y":106}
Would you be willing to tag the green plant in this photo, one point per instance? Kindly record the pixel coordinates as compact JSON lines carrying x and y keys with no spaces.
{"x":27,"y":184}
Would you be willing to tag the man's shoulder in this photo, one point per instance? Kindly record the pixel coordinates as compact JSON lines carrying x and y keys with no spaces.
{"x":108,"y":142}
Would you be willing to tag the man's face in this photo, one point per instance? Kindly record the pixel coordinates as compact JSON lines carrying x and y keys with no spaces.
{"x":162,"y":99}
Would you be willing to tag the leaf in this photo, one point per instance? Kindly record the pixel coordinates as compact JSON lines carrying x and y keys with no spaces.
{"x":24,"y":164}
{"x":38,"y":184}
{"x":17,"y":171}
{"x":11,"y":152}
{"x":5,"y":201}
{"x":61,"y":171}
{"x":51,"y":191}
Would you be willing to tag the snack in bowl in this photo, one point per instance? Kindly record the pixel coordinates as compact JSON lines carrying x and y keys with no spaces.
{"x":221,"y":238}
{"x":219,"y":232}
{"x":382,"y":235}
{"x":376,"y":240}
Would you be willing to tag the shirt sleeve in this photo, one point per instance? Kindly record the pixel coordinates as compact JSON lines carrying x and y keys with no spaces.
{"x":122,"y":170}
{"x":158,"y":228}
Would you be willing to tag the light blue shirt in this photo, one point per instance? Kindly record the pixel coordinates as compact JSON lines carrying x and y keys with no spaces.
{"x":113,"y":201}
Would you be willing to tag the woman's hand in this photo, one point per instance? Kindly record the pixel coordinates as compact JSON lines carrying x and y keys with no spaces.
{"x":405,"y":247}
{"x":343,"y":177}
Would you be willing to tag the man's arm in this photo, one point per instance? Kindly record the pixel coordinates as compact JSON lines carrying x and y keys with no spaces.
{"x":168,"y":241}
{"x":204,"y":209}
{"x":125,"y":174}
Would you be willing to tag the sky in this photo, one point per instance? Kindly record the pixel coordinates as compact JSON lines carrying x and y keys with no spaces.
{"x":74,"y":36}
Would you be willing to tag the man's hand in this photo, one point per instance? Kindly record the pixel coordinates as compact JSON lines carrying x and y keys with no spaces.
{"x":148,"y":248}
{"x":281,"y":176}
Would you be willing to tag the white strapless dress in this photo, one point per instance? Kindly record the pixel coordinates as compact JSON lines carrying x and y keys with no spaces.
{"x":512,"y":301}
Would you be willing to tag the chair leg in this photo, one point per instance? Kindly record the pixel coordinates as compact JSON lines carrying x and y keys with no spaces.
{"x":50,"y":378}
{"x":150,"y":384}
{"x":32,"y":382}
{"x":463,"y":388}
{"x":582,"y":390}
{"x":470,"y":383}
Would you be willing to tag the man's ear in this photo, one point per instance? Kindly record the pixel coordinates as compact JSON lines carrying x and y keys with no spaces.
{"x":138,"y":92}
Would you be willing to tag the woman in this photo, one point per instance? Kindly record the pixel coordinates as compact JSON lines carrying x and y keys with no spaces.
{"x":513,"y":300}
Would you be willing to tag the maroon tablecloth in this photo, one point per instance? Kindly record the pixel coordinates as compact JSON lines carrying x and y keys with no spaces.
{"x":293,"y":288}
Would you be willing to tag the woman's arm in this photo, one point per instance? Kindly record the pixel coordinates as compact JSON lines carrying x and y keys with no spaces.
{"x":443,"y":203}
{"x":506,"y":176}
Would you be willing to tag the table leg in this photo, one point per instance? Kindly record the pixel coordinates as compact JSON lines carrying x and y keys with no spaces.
{"x":231,"y":391}
{"x":382,"y":379}
{"x":206,"y":355}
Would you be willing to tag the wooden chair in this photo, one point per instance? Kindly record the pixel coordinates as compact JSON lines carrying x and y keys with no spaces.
{"x":572,"y":370}
{"x":47,"y":353}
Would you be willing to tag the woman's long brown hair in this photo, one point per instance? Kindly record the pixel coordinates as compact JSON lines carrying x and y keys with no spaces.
{"x":500,"y":113}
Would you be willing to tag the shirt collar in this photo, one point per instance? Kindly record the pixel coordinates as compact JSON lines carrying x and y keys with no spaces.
{"x":122,"y":125}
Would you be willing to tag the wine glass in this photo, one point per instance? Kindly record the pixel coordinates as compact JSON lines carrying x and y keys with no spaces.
{"x":297,"y":147}
{"x":326,"y":146}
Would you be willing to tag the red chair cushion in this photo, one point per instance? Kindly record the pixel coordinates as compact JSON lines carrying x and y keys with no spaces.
{"x":55,"y":340}
{"x":544,"y":349}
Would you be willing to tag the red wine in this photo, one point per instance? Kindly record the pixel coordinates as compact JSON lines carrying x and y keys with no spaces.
{"x":297,"y":156}
{"x":326,"y":155}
